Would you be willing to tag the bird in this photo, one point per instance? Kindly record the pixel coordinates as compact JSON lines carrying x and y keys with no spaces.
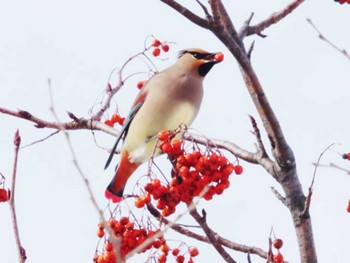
{"x":167,"y":100}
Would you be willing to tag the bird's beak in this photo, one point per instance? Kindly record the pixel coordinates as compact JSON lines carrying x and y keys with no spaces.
{"x":215,"y":57}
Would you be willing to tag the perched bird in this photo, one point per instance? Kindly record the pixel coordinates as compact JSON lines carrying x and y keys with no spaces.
{"x":170,"y":98}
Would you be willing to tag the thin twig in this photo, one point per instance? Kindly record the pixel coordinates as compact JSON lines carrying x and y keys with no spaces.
{"x":41,"y":140}
{"x":256,"y":132}
{"x":115,"y":242}
{"x":21,"y":251}
{"x":333,"y":165}
{"x":322,"y":37}
{"x":205,"y":10}
{"x":304,"y":213}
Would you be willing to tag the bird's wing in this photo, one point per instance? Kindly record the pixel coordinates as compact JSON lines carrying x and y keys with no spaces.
{"x":135,"y":108}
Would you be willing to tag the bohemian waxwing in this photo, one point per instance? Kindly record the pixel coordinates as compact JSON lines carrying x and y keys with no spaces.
{"x":170,"y":98}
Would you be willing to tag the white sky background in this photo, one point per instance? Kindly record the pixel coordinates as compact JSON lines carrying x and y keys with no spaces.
{"x":78,"y":43}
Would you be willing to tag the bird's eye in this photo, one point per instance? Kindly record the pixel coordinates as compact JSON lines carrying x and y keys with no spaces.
{"x":196,"y":55}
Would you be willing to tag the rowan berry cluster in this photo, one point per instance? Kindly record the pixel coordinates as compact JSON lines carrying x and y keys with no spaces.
{"x":176,"y":252}
{"x":131,"y":237}
{"x":4,"y":195}
{"x":158,"y":46}
{"x":115,"y":118}
{"x":193,"y":172}
{"x":342,"y":1}
{"x":278,"y":257}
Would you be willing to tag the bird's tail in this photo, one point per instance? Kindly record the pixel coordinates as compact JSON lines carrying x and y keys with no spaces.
{"x":125,"y":169}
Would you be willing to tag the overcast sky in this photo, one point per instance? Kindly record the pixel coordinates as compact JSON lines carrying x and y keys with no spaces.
{"x":78,"y":43}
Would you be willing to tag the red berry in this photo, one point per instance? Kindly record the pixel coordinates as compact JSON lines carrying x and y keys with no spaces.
{"x":162,"y":258}
{"x":194,"y":251}
{"x":165,"y":248}
{"x":278,"y":243}
{"x":156,"y":52}
{"x":100,"y":259}
{"x":140,"y":84}
{"x":348,"y":209}
{"x":175,"y":251}
{"x":163,"y":135}
{"x":108,"y":247}
{"x":180,"y":259}
{"x":115,"y":118}
{"x":121,"y":120}
{"x":156,"y":43}
{"x":124,"y":220}
{"x":109,"y":123}
{"x":183,"y":171}
{"x":166,"y":147}
{"x":278,"y":258}
{"x":238,"y":169}
{"x":165,"y":47}
{"x":4,"y":196}
{"x":100,"y":233}
{"x":156,"y":244}
{"x":219,"y":57}
{"x":139,"y":203}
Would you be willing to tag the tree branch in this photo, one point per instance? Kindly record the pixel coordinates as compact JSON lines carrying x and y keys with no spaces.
{"x":21,"y":251}
{"x":283,"y":169}
{"x":73,"y":125}
{"x":212,"y":237}
{"x":271,"y":20}
{"x":187,"y":13}
{"x":223,"y":241}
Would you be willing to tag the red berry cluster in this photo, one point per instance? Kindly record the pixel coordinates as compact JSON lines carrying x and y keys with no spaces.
{"x":348,"y":208}
{"x":131,"y":237}
{"x":4,"y":195}
{"x":158,"y":46}
{"x":180,"y":258}
{"x":342,"y":1}
{"x":194,"y":170}
{"x":116,"y":118}
{"x":278,"y":257}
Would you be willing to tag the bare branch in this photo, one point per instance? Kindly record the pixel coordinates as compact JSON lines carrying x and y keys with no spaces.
{"x":271,"y":20}
{"x":212,"y":237}
{"x":223,"y":241}
{"x":81,"y":124}
{"x":322,"y":37}
{"x":279,"y":196}
{"x":187,"y":13}
{"x":21,"y":251}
